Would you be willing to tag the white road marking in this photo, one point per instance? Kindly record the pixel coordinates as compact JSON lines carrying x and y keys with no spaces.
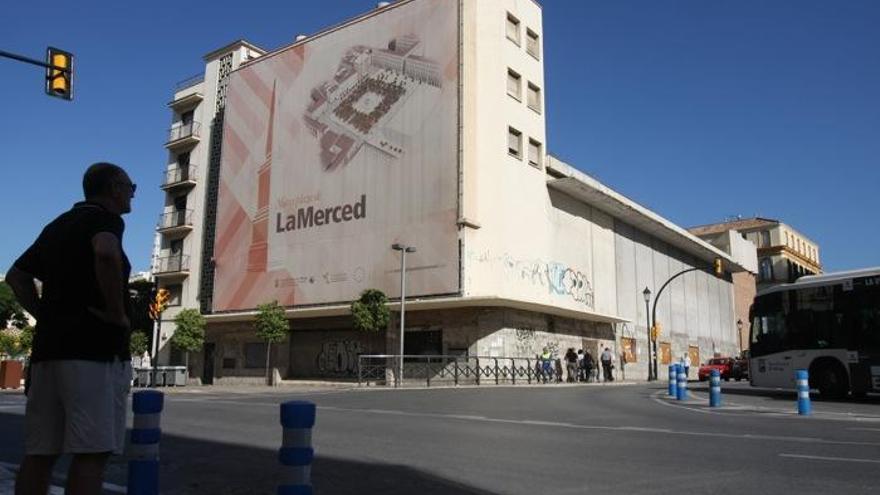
{"x":824,"y":458}
{"x":632,"y":429}
{"x":864,"y":429}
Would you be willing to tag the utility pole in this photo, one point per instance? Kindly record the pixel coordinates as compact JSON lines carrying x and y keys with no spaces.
{"x":403,"y":250}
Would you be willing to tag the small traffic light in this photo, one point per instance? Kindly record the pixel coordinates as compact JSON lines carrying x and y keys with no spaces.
{"x":59,"y":73}
{"x":719,"y":267}
{"x":162,"y":297}
{"x":655,"y":331}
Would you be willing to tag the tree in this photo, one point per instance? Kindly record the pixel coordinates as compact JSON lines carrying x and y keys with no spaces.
{"x":8,"y":343}
{"x":26,"y":339}
{"x":271,"y":326}
{"x":370,"y":312}
{"x":10,"y":311}
{"x":139,"y":343}
{"x":189,"y":336}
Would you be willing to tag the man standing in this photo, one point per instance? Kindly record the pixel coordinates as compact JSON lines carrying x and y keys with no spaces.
{"x":607,"y":364}
{"x":80,"y":365}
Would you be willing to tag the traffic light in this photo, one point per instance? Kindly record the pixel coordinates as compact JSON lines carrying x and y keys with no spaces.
{"x":719,"y":267}
{"x":655,"y":331}
{"x":59,"y":73}
{"x":162,"y":297}
{"x":159,"y":303}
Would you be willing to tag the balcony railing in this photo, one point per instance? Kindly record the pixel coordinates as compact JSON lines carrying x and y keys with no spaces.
{"x":189,"y":81}
{"x":179,"y":175}
{"x":175,"y":219}
{"x":175,"y":263}
{"x":183,"y":131}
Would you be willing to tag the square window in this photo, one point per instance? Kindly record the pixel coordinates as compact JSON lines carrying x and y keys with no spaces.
{"x":532,"y":44}
{"x":514,"y":84}
{"x":514,"y":142}
{"x":534,"y":153}
{"x":513,"y":29}
{"x":534,"y":98}
{"x":175,"y":292}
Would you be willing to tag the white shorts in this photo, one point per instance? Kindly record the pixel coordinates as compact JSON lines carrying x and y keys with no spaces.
{"x":77,"y":407}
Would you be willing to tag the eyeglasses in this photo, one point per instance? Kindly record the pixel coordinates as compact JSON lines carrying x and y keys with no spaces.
{"x":132,"y":185}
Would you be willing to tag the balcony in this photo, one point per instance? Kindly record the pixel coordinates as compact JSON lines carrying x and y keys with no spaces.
{"x":175,"y":266}
{"x":175,"y":222}
{"x":180,"y":177}
{"x":183,"y":136}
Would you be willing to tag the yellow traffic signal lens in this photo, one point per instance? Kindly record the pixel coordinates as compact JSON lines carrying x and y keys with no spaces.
{"x":58,"y":83}
{"x":59,"y":73}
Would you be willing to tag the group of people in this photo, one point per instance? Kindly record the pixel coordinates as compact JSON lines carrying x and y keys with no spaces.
{"x":580,"y":366}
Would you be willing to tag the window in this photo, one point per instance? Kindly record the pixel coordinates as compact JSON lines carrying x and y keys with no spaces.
{"x":766,"y":270}
{"x":534,"y":153}
{"x":175,"y":292}
{"x":665,"y":353}
{"x":786,"y":238}
{"x":514,"y":142}
{"x":532,"y":46}
{"x":513,"y":29}
{"x":765,"y":238}
{"x":255,"y":355}
{"x":514,"y":84}
{"x":534,"y":98}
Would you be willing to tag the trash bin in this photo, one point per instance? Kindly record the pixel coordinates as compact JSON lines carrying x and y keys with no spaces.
{"x":159,"y":376}
{"x":143,"y":377}
{"x":179,"y":373}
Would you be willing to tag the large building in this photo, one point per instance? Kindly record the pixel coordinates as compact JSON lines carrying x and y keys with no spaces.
{"x":292,"y":172}
{"x":784,"y":254}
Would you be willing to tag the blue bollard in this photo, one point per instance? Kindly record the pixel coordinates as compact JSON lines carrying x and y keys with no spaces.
{"x":803,"y":390}
{"x":673,"y":377}
{"x":297,"y":419}
{"x":681,"y":392}
{"x":143,"y":451}
{"x":715,"y":389}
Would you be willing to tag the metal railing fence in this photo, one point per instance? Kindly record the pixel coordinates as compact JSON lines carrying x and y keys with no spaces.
{"x":453,"y":370}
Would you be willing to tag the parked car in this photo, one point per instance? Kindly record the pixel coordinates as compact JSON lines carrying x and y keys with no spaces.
{"x":724,"y":365}
{"x":740,"y":368}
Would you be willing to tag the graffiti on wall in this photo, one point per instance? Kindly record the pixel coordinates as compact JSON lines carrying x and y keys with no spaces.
{"x":339,"y":357}
{"x":557,"y":278}
{"x":525,"y":342}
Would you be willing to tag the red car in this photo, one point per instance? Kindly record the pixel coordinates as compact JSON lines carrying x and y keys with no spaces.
{"x":722,"y":364}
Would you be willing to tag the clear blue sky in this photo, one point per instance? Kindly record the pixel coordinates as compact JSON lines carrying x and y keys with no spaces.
{"x":698,"y":109}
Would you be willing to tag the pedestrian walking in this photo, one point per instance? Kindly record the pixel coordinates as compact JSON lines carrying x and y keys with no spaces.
{"x":571,"y":365}
{"x":607,"y":359}
{"x":686,"y":361}
{"x":588,"y":365}
{"x":546,"y":365}
{"x":80,"y":364}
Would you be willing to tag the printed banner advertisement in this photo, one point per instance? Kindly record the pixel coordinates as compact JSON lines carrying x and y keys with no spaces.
{"x":335,"y":149}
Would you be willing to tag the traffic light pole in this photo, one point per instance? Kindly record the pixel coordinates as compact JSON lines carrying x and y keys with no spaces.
{"x":33,"y":61}
{"x":653,"y":344}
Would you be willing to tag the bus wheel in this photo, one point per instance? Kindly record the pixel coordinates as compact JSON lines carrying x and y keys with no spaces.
{"x":830,"y":379}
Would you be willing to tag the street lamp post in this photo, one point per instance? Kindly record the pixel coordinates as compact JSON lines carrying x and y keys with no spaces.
{"x":739,"y":334}
{"x":403,"y":250}
{"x":647,"y":295}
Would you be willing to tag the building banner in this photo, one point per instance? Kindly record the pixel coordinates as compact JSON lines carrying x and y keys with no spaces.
{"x":333,"y":150}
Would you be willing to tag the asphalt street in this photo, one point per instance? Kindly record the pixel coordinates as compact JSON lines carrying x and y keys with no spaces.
{"x":620,"y":439}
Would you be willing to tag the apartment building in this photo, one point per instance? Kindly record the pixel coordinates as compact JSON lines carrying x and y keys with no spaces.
{"x":421,"y":122}
{"x":782,"y":255}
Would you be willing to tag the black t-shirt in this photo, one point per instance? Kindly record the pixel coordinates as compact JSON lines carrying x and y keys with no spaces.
{"x":63,"y":259}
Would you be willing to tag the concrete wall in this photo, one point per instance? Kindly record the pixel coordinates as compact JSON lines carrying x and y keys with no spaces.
{"x":696,"y":309}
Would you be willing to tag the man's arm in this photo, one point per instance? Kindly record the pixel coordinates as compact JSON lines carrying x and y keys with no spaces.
{"x":22,"y":284}
{"x":108,"y":273}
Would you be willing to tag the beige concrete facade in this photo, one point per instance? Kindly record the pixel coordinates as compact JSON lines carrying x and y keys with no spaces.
{"x":549,"y":257}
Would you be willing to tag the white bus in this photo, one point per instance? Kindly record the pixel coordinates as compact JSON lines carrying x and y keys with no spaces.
{"x":827,"y":324}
